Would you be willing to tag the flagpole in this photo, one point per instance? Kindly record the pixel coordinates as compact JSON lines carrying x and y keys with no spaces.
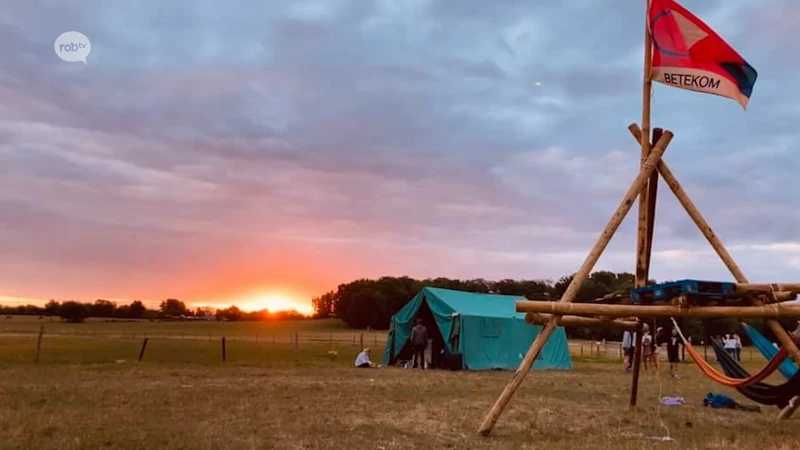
{"x":643,"y":241}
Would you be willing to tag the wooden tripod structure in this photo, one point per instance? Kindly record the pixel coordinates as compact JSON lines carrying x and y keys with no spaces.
{"x":644,"y":186}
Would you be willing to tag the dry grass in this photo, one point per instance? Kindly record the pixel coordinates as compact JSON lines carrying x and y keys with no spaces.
{"x":272,"y":396}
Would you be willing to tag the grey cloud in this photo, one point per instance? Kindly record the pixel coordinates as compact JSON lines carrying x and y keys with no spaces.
{"x":410,"y":125}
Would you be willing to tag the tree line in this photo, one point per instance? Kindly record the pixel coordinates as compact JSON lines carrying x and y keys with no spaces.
{"x":370,"y":303}
{"x":170,"y":309}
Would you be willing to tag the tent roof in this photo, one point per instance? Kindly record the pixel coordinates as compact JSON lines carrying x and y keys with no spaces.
{"x":473,"y":304}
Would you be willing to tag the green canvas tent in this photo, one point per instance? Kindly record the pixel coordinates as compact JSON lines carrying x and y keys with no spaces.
{"x":484,"y":328}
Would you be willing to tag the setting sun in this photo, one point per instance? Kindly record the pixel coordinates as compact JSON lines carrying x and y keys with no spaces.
{"x":275,"y":303}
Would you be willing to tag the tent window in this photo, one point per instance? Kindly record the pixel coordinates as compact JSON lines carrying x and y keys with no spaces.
{"x":490,"y":327}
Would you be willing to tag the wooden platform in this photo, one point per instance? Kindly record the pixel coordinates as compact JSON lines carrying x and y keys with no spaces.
{"x":695,"y":292}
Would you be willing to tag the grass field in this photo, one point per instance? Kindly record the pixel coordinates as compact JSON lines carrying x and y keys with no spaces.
{"x":88,"y":392}
{"x":279,"y":331}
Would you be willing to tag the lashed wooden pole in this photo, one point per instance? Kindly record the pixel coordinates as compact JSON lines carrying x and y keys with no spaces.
{"x":580,"y":321}
{"x":605,"y":237}
{"x":643,"y":233}
{"x":726,"y":258}
{"x":773,"y":310}
{"x":767,"y":288}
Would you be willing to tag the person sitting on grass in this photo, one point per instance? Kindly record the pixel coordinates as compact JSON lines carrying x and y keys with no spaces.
{"x":362,"y":360}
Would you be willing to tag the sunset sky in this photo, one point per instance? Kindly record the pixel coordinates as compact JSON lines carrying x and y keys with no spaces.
{"x":258,"y":152}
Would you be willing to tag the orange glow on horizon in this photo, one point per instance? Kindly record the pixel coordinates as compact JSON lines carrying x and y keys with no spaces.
{"x":274,"y":302}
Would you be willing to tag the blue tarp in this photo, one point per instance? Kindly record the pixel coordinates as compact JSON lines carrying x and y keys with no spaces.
{"x":787,"y":368}
{"x":484,"y":328}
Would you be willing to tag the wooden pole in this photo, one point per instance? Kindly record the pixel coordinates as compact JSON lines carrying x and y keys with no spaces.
{"x":775,"y":310}
{"x":647,"y":210}
{"x":766,"y":288}
{"x":579,"y":321}
{"x":643,"y":233}
{"x":637,"y":361}
{"x":789,"y":409}
{"x":572,"y":290}
{"x":141,"y":352}
{"x":652,"y":192}
{"x":784,"y":338}
{"x":224,"y":350}
{"x":39,"y":344}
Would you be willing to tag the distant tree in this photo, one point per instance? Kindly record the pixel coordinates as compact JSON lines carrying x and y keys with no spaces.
{"x":173,"y":308}
{"x":231,"y":313}
{"x":287,"y":315}
{"x":323,"y":305}
{"x":52,"y":308}
{"x":203,"y":312}
{"x":102,"y":308}
{"x":123,"y":312}
{"x":73,"y":312}
{"x":136,"y":310}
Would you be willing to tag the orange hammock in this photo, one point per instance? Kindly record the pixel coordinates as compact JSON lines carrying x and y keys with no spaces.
{"x":725,"y":380}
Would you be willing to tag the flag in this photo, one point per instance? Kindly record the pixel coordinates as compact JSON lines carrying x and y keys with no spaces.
{"x":688,"y":54}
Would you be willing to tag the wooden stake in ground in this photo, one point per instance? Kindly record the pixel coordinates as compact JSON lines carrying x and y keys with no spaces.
{"x":605,"y":237}
{"x":141,"y":352}
{"x":39,"y":344}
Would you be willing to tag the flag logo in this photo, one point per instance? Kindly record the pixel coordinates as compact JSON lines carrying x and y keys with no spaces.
{"x":688,"y":54}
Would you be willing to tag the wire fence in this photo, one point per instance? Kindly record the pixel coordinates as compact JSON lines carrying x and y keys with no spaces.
{"x":613,"y":350}
{"x":599,"y":350}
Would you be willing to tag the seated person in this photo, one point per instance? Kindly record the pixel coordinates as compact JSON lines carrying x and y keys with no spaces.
{"x":362,"y":360}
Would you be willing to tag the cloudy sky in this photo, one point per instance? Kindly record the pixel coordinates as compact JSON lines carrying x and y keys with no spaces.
{"x":230,"y":151}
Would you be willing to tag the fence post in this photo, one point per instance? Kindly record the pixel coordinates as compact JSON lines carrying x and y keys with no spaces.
{"x":581,"y":350}
{"x":141,"y":352}
{"x":620,"y":351}
{"x":331,"y":341}
{"x":362,"y":341}
{"x":223,"y":349}
{"x":39,"y":343}
{"x":296,"y":340}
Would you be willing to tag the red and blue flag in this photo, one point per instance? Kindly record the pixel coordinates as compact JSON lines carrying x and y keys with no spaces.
{"x":688,"y":54}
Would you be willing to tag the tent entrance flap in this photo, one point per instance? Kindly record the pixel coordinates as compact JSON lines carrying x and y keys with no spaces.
{"x":406,"y":352}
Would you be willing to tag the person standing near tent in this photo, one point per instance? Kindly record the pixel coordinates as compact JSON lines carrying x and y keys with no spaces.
{"x":419,"y":341}
{"x":673,"y":353}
